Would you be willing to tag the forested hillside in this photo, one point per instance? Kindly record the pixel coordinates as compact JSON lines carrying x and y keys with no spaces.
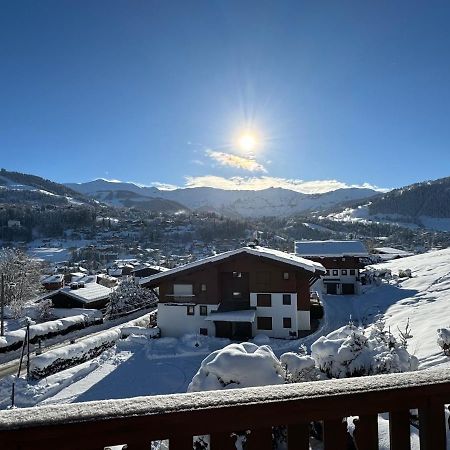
{"x":431,"y":198}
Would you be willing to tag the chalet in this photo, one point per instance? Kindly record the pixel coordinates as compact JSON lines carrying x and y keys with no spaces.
{"x":237,"y":294}
{"x":342,"y":260}
{"x":389,"y":253}
{"x":81,"y":295}
{"x":53,"y":282}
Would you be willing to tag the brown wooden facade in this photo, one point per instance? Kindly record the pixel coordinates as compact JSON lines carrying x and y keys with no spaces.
{"x":215,"y":282}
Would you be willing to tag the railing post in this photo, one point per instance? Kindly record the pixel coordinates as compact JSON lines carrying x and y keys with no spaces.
{"x":399,"y":430}
{"x":180,"y":442}
{"x":260,"y":439}
{"x":298,"y":436}
{"x":432,"y":430}
{"x":366,"y":432}
{"x":335,"y":434}
{"x":221,"y":441}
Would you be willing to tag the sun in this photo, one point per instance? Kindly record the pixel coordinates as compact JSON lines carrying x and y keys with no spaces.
{"x":247,"y":142}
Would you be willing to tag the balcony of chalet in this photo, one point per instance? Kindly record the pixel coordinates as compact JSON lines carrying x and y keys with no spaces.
{"x":138,"y":421}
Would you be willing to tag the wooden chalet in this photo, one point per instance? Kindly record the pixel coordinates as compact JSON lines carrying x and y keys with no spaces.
{"x":237,"y":294}
{"x":342,"y":260}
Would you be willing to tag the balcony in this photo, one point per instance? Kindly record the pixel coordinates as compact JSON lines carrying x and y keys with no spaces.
{"x":179,"y":417}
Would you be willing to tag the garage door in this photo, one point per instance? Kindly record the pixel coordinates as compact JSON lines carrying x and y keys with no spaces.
{"x":332,"y":288}
{"x":348,"y":288}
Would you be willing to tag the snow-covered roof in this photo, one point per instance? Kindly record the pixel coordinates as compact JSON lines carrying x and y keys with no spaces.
{"x":274,"y":255}
{"x":330,"y":248}
{"x":246,"y":315}
{"x":91,"y":292}
{"x":57,"y":278}
{"x":392,"y":251}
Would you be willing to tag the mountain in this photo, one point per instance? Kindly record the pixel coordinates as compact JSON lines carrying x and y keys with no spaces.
{"x":244,"y":203}
{"x":16,"y":187}
{"x":425,"y":204}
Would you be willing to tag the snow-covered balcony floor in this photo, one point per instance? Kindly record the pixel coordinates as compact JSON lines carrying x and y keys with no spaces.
{"x":179,"y":417}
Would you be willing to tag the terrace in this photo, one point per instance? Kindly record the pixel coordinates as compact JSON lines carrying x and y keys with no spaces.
{"x":138,"y":421}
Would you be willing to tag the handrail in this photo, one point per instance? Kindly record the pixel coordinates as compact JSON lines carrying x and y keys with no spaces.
{"x":142,"y":419}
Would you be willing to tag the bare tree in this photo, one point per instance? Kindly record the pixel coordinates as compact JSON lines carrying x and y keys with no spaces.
{"x":21,"y":277}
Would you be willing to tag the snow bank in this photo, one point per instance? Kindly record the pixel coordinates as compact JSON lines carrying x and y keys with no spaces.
{"x":238,"y":366}
{"x":73,"y":354}
{"x":296,"y":363}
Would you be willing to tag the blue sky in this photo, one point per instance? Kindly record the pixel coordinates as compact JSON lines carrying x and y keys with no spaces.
{"x":159,"y":91}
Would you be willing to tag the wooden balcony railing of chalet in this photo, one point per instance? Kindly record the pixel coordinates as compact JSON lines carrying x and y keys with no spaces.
{"x":138,"y":421}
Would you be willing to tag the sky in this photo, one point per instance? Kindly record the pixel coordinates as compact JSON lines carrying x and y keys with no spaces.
{"x":160,"y":92}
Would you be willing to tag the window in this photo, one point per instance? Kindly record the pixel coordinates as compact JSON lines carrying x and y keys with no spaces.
{"x":335,"y":272}
{"x":203,"y":287}
{"x":287,"y":323}
{"x":286,"y":299}
{"x":264,"y":323}
{"x":352,"y":271}
{"x":182,"y":290}
{"x":190,"y":310}
{"x":204,"y":331}
{"x":237,"y":274}
{"x":344,"y":271}
{"x":264,"y":300}
{"x":285,"y":275}
{"x":203,"y":310}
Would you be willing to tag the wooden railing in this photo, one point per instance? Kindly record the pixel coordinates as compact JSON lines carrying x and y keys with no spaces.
{"x":138,"y":421}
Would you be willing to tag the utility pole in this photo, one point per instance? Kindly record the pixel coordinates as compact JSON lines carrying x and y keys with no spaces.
{"x":2,"y":306}
{"x":28,"y":350}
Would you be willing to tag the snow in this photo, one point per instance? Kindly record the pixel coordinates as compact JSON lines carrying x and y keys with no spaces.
{"x":91,"y":292}
{"x":330,"y":248}
{"x":275,"y":255}
{"x":140,"y":331}
{"x":246,"y":315}
{"x":238,"y":365}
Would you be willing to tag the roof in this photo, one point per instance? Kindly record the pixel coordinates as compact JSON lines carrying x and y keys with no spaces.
{"x":274,"y":255}
{"x":246,"y":315}
{"x":330,"y":248}
{"x":392,"y":251}
{"x":57,"y":278}
{"x":91,"y":292}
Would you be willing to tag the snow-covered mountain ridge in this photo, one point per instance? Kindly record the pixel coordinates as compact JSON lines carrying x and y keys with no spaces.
{"x":245,"y":203}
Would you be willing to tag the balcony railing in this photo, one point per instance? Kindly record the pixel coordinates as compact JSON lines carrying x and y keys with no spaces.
{"x":138,"y":421}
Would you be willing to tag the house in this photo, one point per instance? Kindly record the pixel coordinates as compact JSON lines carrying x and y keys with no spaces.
{"x":237,"y":294}
{"x":81,"y":295}
{"x":390,"y":253}
{"x":147,"y":270}
{"x":53,"y":282}
{"x":342,"y":260}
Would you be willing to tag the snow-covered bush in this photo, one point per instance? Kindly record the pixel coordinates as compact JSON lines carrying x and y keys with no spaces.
{"x":128,"y":297}
{"x":351,"y":351}
{"x":443,"y":340}
{"x":404,"y":273}
{"x":238,"y":366}
{"x":300,"y":368}
{"x":140,"y":331}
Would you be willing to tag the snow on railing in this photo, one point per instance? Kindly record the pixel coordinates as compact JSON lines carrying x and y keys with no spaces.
{"x":179,"y":417}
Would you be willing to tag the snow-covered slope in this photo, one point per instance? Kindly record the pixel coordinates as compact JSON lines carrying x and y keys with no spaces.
{"x":18,"y":187}
{"x":426,"y":303}
{"x":424,"y":205}
{"x":246,"y":203}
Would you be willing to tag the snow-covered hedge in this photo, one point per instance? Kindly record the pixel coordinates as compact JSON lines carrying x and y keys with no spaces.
{"x":350,"y":351}
{"x":443,"y":340}
{"x":46,"y":330}
{"x":238,"y":366}
{"x":70,"y":355}
{"x":140,"y":331}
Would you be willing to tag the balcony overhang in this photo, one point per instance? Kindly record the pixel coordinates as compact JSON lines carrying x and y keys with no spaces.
{"x":245,"y":315}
